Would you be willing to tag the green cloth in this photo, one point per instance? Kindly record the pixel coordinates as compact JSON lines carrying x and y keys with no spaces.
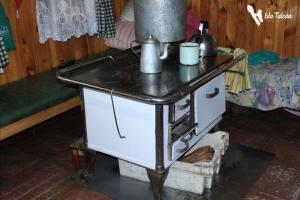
{"x":260,"y":57}
{"x":31,"y":95}
{"x":5,"y":31}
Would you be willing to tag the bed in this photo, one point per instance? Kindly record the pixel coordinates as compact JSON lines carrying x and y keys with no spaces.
{"x":273,"y":86}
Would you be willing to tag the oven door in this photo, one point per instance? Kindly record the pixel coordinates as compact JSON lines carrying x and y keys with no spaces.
{"x":135,"y":139}
{"x":210,"y":103}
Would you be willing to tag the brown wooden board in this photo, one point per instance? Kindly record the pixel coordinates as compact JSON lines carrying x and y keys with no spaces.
{"x":37,"y":118}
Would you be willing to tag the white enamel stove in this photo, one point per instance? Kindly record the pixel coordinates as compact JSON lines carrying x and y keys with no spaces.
{"x":132,"y":132}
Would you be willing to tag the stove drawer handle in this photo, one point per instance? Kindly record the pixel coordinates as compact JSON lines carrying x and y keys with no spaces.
{"x":187,"y":146}
{"x":184,"y":106}
{"x":212,"y":95}
{"x":183,"y":139}
{"x":190,"y":133}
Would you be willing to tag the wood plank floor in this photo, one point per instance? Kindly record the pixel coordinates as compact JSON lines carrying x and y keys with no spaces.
{"x":36,"y":164}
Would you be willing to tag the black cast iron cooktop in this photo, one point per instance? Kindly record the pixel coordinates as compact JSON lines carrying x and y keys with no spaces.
{"x":120,"y":73}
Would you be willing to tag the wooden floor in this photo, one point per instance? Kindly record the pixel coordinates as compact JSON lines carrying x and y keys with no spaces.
{"x":36,"y":164}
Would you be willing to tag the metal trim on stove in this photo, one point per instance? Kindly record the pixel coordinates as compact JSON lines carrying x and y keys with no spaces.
{"x":188,"y":119}
{"x":85,"y":140}
{"x":159,"y":138}
{"x":89,"y":154}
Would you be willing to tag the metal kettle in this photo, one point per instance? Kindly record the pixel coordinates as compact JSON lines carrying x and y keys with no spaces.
{"x":151,"y":55}
{"x":208,"y":46}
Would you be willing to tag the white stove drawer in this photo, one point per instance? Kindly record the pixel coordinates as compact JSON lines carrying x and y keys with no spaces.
{"x":210,"y":102}
{"x":180,"y":147}
{"x":182,"y":107}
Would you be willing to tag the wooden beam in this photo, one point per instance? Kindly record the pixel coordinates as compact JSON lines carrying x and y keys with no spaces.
{"x":37,"y":118}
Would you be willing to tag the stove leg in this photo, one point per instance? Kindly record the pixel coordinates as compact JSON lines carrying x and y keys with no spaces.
{"x":157,"y":180}
{"x":90,"y":160}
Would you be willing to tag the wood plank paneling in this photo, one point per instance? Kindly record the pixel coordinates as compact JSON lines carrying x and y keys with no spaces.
{"x":231,"y":23}
{"x":234,"y":27}
{"x":268,"y":28}
{"x":31,"y":56}
{"x":15,"y":59}
{"x":290,"y":29}
{"x":258,"y":32}
{"x":297,"y":40}
{"x":231,"y":27}
{"x":279,"y":29}
{"x":222,"y":21}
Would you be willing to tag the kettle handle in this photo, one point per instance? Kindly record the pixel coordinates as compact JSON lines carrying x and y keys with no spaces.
{"x":195,"y":38}
{"x":132,"y":49}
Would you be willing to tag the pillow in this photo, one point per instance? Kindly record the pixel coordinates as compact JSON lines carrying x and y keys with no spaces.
{"x":192,"y":20}
{"x":5,"y":31}
{"x":124,"y":36}
{"x":128,"y":12}
{"x":192,"y":24}
{"x":260,"y":57}
{"x":190,"y":31}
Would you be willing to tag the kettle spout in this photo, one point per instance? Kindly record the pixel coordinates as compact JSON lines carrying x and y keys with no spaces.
{"x":165,"y":51}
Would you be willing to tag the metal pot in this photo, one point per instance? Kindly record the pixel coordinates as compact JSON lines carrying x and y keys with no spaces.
{"x":150,"y":55}
{"x":165,"y":20}
{"x":208,"y":45}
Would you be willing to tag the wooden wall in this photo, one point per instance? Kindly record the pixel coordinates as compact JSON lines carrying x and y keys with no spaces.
{"x":232,"y":26}
{"x":31,"y":56}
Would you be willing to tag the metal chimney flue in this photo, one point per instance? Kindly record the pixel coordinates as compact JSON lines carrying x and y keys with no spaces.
{"x":157,"y":23}
{"x":163,"y":19}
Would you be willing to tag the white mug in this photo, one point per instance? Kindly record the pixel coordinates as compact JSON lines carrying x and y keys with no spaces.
{"x":189,"y":53}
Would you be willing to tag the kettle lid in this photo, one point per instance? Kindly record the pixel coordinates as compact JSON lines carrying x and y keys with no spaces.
{"x":150,"y":40}
{"x":203,"y":27}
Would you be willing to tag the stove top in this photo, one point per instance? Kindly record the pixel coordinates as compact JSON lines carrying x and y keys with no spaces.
{"x":120,"y":73}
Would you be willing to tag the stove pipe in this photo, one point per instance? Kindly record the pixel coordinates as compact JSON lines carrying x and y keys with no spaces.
{"x":163,"y":19}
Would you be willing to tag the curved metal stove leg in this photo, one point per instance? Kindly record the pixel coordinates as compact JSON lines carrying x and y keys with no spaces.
{"x":90,"y":159}
{"x":157,"y":180}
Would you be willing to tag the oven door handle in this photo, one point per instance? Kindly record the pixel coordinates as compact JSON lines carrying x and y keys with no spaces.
{"x":189,"y":133}
{"x":186,"y":141}
{"x":184,"y":106}
{"x":183,"y":139}
{"x":187,"y":146}
{"x":212,"y":95}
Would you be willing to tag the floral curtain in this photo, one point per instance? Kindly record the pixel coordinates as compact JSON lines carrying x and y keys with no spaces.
{"x":62,"y":19}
